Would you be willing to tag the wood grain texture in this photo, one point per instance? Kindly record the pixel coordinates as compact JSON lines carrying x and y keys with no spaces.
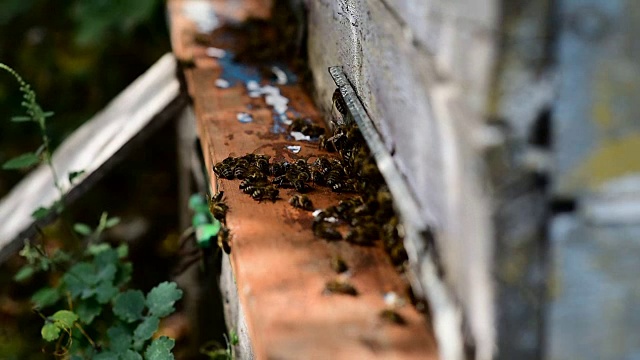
{"x":280,"y":267}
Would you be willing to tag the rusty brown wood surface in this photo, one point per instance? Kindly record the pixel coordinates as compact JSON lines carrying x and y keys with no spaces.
{"x":280,"y":267}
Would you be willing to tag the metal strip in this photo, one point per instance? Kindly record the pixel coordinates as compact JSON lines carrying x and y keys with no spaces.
{"x":447,"y":317}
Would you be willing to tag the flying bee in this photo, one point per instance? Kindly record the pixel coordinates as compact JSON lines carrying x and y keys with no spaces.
{"x":392,"y":316}
{"x":338,"y":264}
{"x":301,"y":201}
{"x":223,"y":240}
{"x":217,"y":207}
{"x":340,"y":287}
{"x":327,"y":232}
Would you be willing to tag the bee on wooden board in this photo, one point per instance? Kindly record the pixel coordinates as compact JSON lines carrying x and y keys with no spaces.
{"x":217,"y":207}
{"x":338,"y":264}
{"x":302,"y":202}
{"x":326,"y":231}
{"x":340,"y":286}
{"x":339,"y":103}
{"x":392,"y":316}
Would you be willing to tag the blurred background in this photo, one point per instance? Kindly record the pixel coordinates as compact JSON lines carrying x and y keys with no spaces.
{"x":78,"y":55}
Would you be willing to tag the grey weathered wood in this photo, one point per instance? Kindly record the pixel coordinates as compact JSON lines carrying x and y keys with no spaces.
{"x":423,"y":71}
{"x":94,"y":147}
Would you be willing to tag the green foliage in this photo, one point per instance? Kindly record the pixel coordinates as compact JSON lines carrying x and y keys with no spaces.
{"x":90,"y":289}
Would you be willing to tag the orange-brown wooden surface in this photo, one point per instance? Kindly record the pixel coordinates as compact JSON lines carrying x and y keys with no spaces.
{"x":279,"y":265}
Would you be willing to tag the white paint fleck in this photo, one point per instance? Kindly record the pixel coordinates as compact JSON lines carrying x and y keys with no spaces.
{"x":315,"y":213}
{"x":281,"y":76}
{"x":215,"y":52}
{"x":244,"y":117}
{"x":298,"y":136}
{"x":222,"y":83}
{"x":202,"y":13}
{"x":294,"y":148}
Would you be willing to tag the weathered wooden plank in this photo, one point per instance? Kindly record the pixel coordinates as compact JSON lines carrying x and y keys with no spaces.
{"x":427,"y":98}
{"x":280,"y":268}
{"x":94,"y":147}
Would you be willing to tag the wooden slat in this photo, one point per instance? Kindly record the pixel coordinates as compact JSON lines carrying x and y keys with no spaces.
{"x":280,"y":267}
{"x":94,"y":147}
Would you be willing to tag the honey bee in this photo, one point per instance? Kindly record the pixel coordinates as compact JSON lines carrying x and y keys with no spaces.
{"x":392,"y":316}
{"x":302,"y":202}
{"x":217,"y":207}
{"x":223,"y":240}
{"x":326,"y":231}
{"x":268,"y":192}
{"x":339,"y":103}
{"x":340,"y":287}
{"x":300,"y":186}
{"x":338,"y":264}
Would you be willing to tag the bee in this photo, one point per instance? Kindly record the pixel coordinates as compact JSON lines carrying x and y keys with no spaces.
{"x":339,"y":103}
{"x":327,"y":232}
{"x":224,"y":171}
{"x":326,"y":144}
{"x":340,"y":287}
{"x":317,"y":177}
{"x":302,"y":202}
{"x":392,"y":316}
{"x":217,"y":207}
{"x":338,"y":264}
{"x":283,"y":182}
{"x":334,"y":176}
{"x":223,"y":240}
{"x":269,"y":192}
{"x":356,"y":236}
{"x":262,"y":165}
{"x":276,"y":169}
{"x":343,"y":187}
{"x":300,"y":186}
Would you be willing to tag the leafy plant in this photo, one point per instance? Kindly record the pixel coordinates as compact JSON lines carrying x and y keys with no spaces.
{"x":96,"y":315}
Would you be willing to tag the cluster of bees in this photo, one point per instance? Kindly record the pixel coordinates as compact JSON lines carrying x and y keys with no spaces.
{"x":368,"y":215}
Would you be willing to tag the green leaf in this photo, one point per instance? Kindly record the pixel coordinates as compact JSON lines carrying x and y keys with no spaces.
{"x":50,"y":332}
{"x":40,"y":213}
{"x":146,"y":329}
{"x":112,"y":222}
{"x":119,"y":338}
{"x":234,"y":339}
{"x":22,"y":161}
{"x":130,"y":355}
{"x":24,"y":273}
{"x":128,"y":305}
{"x":123,"y":275}
{"x":82,"y":229}
{"x":48,"y":114}
{"x":96,"y":249}
{"x":161,"y":298}
{"x":88,"y":310}
{"x":105,"y":292}
{"x":160,"y":349}
{"x":123,"y":251}
{"x":21,"y":119}
{"x":64,"y":318}
{"x":74,"y":174}
{"x":45,"y":297}
{"x":106,"y":257}
{"x":106,"y":273}
{"x":106,"y":355}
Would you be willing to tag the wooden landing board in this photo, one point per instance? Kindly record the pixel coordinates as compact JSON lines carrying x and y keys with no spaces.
{"x":94,"y":147}
{"x":280,"y":267}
